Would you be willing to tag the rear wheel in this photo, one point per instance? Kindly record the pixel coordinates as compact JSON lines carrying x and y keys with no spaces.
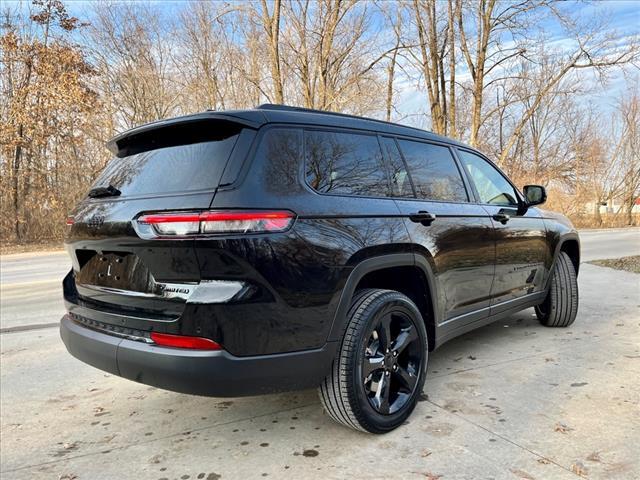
{"x":379,"y":371}
{"x":560,"y":307}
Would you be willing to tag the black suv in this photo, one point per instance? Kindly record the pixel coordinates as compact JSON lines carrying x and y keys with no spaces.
{"x":245,"y":252}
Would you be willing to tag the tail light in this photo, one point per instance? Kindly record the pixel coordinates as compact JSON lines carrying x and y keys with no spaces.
{"x":70,"y":221}
{"x":189,"y":224}
{"x":184,"y":341}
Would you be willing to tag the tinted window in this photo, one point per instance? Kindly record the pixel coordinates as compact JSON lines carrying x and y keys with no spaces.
{"x":345,"y":163}
{"x":280,"y":148}
{"x":398,"y":176}
{"x":433,"y":171}
{"x":491,"y":185}
{"x":171,"y":169}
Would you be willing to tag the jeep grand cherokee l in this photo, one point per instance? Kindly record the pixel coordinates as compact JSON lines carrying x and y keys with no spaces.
{"x":245,"y":252}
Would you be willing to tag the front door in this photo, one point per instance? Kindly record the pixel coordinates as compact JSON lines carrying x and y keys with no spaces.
{"x":522,"y":251}
{"x":455,"y":235}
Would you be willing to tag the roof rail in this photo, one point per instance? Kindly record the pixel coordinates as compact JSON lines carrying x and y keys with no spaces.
{"x":288,"y":108}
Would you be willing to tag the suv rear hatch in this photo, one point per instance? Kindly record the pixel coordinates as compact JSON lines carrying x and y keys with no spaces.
{"x":120,"y":277}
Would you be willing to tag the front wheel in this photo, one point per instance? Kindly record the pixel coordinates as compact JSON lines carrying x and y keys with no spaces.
{"x":379,"y":371}
{"x":560,"y":307}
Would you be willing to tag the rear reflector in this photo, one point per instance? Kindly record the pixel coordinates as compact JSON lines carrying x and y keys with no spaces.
{"x":70,"y":221}
{"x":215,"y":222}
{"x":183,"y":341}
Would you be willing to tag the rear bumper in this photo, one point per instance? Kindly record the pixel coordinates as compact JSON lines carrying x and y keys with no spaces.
{"x":197,"y":372}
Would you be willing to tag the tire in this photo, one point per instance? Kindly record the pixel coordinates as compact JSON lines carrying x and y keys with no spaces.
{"x":560,"y":307}
{"x":369,"y":388}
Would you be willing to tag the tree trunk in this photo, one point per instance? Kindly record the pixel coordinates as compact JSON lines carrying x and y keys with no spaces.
{"x":390,"y":74}
{"x":272,"y":26}
{"x":596,"y":212}
{"x":15,"y":187}
{"x":430,"y":62}
{"x":453,"y":130}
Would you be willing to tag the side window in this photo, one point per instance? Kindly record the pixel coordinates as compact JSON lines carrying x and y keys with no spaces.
{"x":280,"y":147}
{"x":434,"y":172}
{"x":491,"y":185}
{"x":400,"y":184}
{"x":345,"y":163}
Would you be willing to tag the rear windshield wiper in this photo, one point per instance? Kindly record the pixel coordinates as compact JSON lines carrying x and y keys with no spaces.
{"x":109,"y":191}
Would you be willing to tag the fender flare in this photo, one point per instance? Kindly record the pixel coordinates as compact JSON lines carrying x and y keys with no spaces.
{"x":570,"y":236}
{"x":373,"y":264}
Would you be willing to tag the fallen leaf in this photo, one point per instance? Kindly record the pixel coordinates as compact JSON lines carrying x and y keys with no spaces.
{"x":431,"y":476}
{"x":426,"y":453}
{"x":594,"y":457}
{"x":544,"y":461}
{"x":562,"y":428}
{"x":522,"y":474}
{"x":579,"y":469}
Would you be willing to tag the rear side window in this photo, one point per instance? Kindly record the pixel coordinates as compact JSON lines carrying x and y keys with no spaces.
{"x":178,"y":168}
{"x":346,"y":164}
{"x":433,"y":171}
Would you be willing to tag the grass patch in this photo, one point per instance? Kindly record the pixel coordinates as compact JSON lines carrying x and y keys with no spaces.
{"x":46,"y":246}
{"x":630,"y":264}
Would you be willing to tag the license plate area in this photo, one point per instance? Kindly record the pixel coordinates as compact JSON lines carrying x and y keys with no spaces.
{"x":123,"y":271}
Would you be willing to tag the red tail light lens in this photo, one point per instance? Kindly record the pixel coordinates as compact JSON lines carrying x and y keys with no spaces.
{"x":183,"y":341}
{"x":214,"y":222}
{"x":70,"y":221}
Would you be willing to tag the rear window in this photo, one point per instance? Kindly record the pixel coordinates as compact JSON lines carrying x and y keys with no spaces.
{"x":178,"y":168}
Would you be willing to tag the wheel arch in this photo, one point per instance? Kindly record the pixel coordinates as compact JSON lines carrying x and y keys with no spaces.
{"x":406,"y":273}
{"x":571,"y":246}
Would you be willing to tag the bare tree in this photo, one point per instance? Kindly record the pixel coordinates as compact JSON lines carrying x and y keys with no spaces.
{"x":134,"y":60}
{"x":271,"y":23}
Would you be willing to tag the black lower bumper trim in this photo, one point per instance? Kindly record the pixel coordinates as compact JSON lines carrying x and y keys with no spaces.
{"x":197,"y":372}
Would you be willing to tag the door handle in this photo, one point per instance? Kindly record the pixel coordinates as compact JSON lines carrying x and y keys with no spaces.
{"x":502,"y":217}
{"x":425,"y":218}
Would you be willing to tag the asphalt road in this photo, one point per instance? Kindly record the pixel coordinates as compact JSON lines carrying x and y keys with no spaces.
{"x":511,"y":400}
{"x":613,"y":243}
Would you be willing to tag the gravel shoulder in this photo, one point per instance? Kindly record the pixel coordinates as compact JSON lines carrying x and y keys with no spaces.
{"x":630,"y":264}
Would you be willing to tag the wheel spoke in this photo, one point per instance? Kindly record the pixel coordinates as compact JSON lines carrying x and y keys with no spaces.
{"x":384,"y":333}
{"x":370,"y":365}
{"x":407,"y":379}
{"x":406,"y":337}
{"x":381,"y":399}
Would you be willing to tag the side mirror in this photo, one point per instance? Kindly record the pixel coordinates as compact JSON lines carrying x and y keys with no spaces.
{"x":535,"y":194}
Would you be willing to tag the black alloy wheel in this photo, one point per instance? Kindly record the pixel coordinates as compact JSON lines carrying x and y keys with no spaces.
{"x":379,"y":370}
{"x":392,"y":362}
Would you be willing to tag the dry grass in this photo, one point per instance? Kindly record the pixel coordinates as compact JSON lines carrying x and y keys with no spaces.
{"x":607,"y":221}
{"x":630,"y":264}
{"x":47,"y":246}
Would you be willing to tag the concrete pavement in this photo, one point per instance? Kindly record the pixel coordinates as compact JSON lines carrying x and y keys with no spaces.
{"x":609,"y":243}
{"x":511,"y":400}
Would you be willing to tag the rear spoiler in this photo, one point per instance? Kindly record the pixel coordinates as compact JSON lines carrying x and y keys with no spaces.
{"x":179,"y":131}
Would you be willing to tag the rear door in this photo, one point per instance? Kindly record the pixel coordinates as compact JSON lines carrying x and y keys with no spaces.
{"x":456,"y":234}
{"x":522,"y":251}
{"x":171,"y":168}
